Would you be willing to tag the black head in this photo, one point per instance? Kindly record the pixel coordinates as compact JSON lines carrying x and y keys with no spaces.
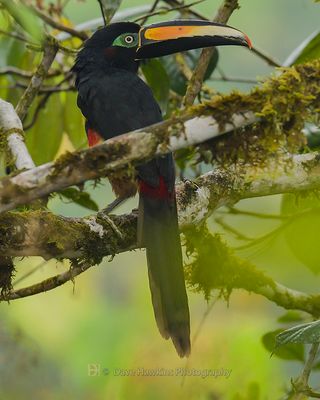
{"x":121,"y":45}
{"x":112,"y":46}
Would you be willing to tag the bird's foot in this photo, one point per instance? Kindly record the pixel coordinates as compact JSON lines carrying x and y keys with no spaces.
{"x":112,"y":206}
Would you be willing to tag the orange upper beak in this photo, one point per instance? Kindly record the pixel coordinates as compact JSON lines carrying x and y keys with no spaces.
{"x":172,"y":37}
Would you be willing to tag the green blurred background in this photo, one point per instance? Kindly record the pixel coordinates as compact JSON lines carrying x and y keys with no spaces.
{"x":49,"y":343}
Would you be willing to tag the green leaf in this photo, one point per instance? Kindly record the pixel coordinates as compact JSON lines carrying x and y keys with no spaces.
{"x":158,"y":80}
{"x":308,"y":50}
{"x":316,"y":366}
{"x":44,"y":138}
{"x":124,"y":15}
{"x":109,"y":8}
{"x":15,"y":57}
{"x":80,"y":197}
{"x":304,"y":333}
{"x":312,"y":133}
{"x":290,"y":316}
{"x":292,"y":351}
{"x":178,"y":82}
{"x":25,"y":18}
{"x":74,"y":122}
{"x":302,"y":233}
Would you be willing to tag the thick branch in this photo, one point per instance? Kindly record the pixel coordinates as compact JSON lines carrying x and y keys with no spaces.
{"x":12,"y":132}
{"x":39,"y":233}
{"x":112,"y":156}
{"x":299,"y":88}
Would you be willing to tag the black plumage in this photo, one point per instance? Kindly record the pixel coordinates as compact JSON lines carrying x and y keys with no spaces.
{"x":114,"y":100}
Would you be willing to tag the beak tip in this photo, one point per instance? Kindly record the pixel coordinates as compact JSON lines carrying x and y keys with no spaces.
{"x":249,"y":43}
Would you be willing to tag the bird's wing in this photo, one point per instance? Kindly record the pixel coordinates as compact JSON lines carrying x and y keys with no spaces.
{"x":117,"y":103}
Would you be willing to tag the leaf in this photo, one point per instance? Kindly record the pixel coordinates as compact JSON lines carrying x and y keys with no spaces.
{"x":93,"y":24}
{"x":316,"y":366}
{"x":290,"y":352}
{"x":44,"y":138}
{"x":80,"y":197}
{"x":109,"y":8}
{"x":302,"y":233}
{"x":304,"y":333}
{"x":308,"y":50}
{"x":158,"y":80}
{"x":15,"y":57}
{"x":290,"y":316}
{"x":312,"y":132}
{"x":25,"y":18}
{"x":178,"y":82}
{"x":74,"y":122}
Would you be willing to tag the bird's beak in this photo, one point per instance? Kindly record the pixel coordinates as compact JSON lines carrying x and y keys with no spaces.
{"x":172,"y":37}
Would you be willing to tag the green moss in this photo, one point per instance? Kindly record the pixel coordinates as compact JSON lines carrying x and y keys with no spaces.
{"x":7,"y":271}
{"x":10,"y":161}
{"x":283,"y":104}
{"x":215,"y":266}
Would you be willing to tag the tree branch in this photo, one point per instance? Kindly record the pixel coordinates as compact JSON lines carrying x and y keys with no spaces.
{"x":224,"y":113}
{"x":269,"y":60}
{"x":199,"y":72}
{"x":113,"y":156}
{"x":57,"y":25}
{"x":300,"y":385}
{"x":12,"y":131}
{"x":50,"y":51}
{"x":38,"y":233}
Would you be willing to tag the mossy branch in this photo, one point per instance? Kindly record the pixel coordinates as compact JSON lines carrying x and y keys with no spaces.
{"x":38,"y":233}
{"x":275,"y":104}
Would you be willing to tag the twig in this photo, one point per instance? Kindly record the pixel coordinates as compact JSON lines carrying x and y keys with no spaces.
{"x":50,"y":51}
{"x":233,"y":79}
{"x":271,"y":61}
{"x":163,"y":10}
{"x":196,"y":81}
{"x":24,"y":74}
{"x":270,"y":235}
{"x":57,"y":25}
{"x":145,"y":18}
{"x":232,"y":230}
{"x":15,"y":71}
{"x":41,"y":105}
{"x":49,"y":89}
{"x":102,"y":12}
{"x":236,"y":211}
{"x":46,"y":285}
{"x":35,"y":269}
{"x":15,"y":35}
{"x":43,"y":102}
{"x":300,"y":385}
{"x":175,"y":3}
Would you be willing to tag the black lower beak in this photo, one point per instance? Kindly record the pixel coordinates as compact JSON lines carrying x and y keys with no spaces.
{"x":172,"y":37}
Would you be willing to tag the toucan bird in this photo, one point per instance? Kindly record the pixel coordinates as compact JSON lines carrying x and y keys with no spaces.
{"x":114,"y":100}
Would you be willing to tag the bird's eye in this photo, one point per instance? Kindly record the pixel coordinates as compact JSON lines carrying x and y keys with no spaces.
{"x":129,"y":39}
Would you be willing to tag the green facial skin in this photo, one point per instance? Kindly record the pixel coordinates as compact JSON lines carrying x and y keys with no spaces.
{"x":126,"y":40}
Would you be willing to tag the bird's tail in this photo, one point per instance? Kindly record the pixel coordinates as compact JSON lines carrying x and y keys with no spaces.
{"x":158,"y":227}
